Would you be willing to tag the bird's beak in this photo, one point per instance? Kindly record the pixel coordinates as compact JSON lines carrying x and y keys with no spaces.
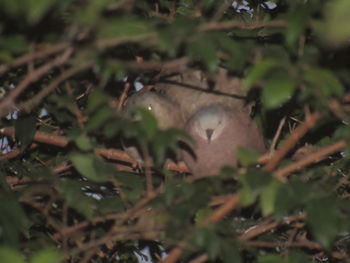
{"x":209,"y":133}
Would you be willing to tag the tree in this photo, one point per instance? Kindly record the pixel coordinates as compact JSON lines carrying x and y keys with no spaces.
{"x":68,"y":191}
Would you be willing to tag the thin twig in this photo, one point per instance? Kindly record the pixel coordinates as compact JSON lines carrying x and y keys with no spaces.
{"x":9,"y":101}
{"x":33,"y":56}
{"x":200,"y":259}
{"x":28,"y":105}
{"x":299,"y":244}
{"x":15,"y":153}
{"x":277,"y":135}
{"x":234,"y":24}
{"x":123,"y":96}
{"x":61,"y":141}
{"x":268,"y":225}
{"x":230,"y":204}
{"x":292,"y":140}
{"x":221,"y":10}
{"x":312,"y":158}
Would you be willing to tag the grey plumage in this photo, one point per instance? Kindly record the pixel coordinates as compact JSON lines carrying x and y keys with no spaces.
{"x":167,"y":114}
{"x":217,"y":116}
{"x":218,"y":131}
{"x":192,"y":91}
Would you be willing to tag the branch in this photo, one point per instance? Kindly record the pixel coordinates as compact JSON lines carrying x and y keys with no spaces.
{"x":9,"y":101}
{"x":267,"y":226}
{"x":28,"y":105}
{"x":292,"y":140}
{"x":230,"y":204}
{"x":112,"y":154}
{"x":15,"y":152}
{"x":234,"y":24}
{"x":312,"y":158}
{"x":33,"y":56}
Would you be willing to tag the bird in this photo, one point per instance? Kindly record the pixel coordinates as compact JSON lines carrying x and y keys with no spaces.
{"x":166,"y":112}
{"x":218,"y":131}
{"x":192,"y":90}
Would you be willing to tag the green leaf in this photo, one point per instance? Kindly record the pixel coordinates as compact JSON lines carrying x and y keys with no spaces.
{"x":86,"y":165}
{"x":253,"y":181}
{"x":297,"y":20}
{"x":337,"y":13}
{"x":10,"y":255}
{"x":101,"y":116}
{"x":277,"y":90}
{"x":47,"y":255}
{"x":132,"y":185}
{"x":202,"y":215}
{"x":148,"y":123}
{"x":324,"y":81}
{"x":13,"y":220}
{"x":125,"y":27}
{"x":83,"y":142}
{"x":323,"y":219}
{"x":37,"y":9}
{"x":258,"y":71}
{"x":298,"y":257}
{"x":12,"y":7}
{"x":174,"y":34}
{"x":110,"y":204}
{"x":203,"y":48}
{"x":25,"y":129}
{"x":290,"y":196}
{"x":271,"y":259}
{"x":96,"y":100}
{"x":77,"y":199}
{"x":268,"y":197}
{"x":207,"y":238}
{"x":247,"y":156}
{"x":15,"y":44}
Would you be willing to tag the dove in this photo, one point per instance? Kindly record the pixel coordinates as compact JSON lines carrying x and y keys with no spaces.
{"x":218,"y":131}
{"x":166,"y":112}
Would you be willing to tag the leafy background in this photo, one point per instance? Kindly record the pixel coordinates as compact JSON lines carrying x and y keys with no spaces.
{"x":69,"y":194}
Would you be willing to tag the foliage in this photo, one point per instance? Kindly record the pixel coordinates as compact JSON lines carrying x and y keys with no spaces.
{"x":63,"y":199}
